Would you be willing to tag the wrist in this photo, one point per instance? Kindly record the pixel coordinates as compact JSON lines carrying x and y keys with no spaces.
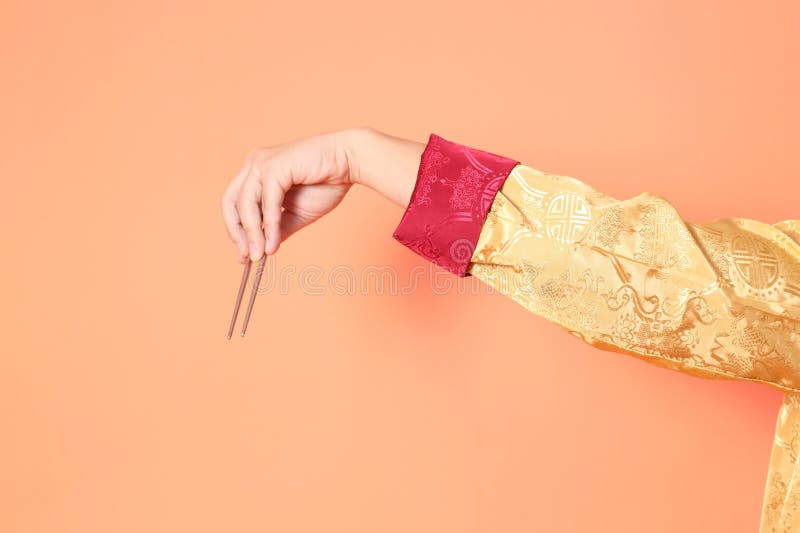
{"x":353,"y":142}
{"x":382,"y":162}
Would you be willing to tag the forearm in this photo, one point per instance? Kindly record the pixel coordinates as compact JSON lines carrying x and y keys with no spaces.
{"x":383,"y":162}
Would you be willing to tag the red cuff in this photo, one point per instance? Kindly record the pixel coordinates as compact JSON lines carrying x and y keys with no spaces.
{"x":455,"y":188}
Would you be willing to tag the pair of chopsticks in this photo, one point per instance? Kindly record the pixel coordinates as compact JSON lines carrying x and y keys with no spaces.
{"x":242,"y":285}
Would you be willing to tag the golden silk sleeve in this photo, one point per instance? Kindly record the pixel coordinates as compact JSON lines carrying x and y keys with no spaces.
{"x":780,"y":512}
{"x":719,"y":299}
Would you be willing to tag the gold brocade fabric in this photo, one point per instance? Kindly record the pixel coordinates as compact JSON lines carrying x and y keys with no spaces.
{"x":718,"y":300}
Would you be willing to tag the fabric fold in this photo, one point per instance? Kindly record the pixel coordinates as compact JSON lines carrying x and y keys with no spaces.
{"x":780,"y":513}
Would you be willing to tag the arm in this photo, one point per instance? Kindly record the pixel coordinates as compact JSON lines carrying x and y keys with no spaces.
{"x":719,"y":299}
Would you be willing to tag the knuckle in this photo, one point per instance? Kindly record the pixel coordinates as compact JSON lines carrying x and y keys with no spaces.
{"x":240,"y":206}
{"x":243,"y":196}
{"x":254,"y":152}
{"x":260,"y":154}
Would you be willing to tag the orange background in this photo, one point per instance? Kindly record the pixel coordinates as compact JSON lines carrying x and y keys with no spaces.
{"x":124,"y":409}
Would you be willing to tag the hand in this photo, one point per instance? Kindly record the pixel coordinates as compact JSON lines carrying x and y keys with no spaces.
{"x":283,"y":188}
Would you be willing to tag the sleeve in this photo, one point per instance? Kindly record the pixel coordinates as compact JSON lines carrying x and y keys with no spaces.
{"x":453,"y":193}
{"x":718,"y":300}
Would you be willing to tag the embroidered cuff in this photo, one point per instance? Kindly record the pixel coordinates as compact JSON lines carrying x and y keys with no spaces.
{"x":455,"y":188}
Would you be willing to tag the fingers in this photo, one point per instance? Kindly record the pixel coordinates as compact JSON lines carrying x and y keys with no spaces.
{"x":253,"y":207}
{"x":230,"y":214}
{"x":259,"y":203}
{"x":249,"y":208}
{"x":235,"y":230}
{"x":272,"y":202}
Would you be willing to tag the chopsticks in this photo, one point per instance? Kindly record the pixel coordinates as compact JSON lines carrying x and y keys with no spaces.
{"x":253,"y":292}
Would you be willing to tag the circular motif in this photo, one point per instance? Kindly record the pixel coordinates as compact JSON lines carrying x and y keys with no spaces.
{"x":568,"y":217}
{"x":461,"y":250}
{"x":755,"y":262}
